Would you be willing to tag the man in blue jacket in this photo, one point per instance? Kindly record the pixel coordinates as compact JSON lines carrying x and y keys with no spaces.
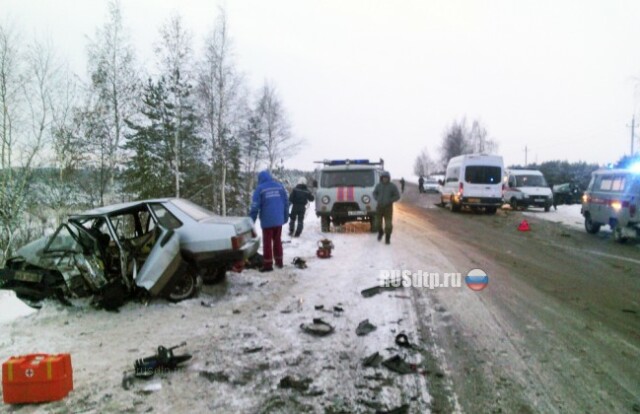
{"x":271,"y":202}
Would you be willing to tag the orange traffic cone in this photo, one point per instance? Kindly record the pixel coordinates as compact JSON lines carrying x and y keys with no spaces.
{"x":524,"y":226}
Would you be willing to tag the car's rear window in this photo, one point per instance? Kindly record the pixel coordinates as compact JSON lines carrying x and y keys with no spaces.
{"x":350,"y":178}
{"x":483,"y":174}
{"x":165,"y":218}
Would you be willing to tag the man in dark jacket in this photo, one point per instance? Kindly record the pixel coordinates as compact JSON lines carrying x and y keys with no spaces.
{"x":299,"y":198}
{"x":271,"y":202}
{"x":386,"y":193}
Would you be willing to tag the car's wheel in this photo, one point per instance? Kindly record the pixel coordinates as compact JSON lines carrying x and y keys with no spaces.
{"x":547,"y":208}
{"x":491,"y":210}
{"x":617,"y":235}
{"x":514,"y":204}
{"x":214,"y":275}
{"x":325,"y":223}
{"x":186,"y":286}
{"x":590,"y":226}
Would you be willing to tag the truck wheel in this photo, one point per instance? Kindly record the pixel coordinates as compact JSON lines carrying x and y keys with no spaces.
{"x":325,"y":223}
{"x":514,"y":204}
{"x":547,"y":208}
{"x":590,"y":226}
{"x":491,"y":210}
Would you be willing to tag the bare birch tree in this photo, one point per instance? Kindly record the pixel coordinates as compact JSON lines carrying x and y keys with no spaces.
{"x":115,"y":85}
{"x":26,"y":94}
{"x":276,"y":131}
{"x":219,"y":91}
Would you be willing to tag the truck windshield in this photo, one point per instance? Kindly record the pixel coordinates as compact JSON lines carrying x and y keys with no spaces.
{"x":530,"y":181}
{"x":482,"y":174}
{"x":349,"y":178}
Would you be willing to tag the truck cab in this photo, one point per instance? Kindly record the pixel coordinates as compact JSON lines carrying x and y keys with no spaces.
{"x":345,"y":191}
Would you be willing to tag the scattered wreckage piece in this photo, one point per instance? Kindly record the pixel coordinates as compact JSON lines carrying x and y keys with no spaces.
{"x":299,"y":262}
{"x":294,"y":383}
{"x":372,"y":291}
{"x":398,"y":365}
{"x":317,"y":328}
{"x":164,"y":360}
{"x":373,"y":361}
{"x":365,"y":327}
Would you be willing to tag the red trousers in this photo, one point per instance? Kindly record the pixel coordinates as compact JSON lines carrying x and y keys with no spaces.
{"x":272,"y":246}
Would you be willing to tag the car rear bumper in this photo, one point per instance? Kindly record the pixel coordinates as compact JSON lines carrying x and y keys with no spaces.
{"x":481,"y":201}
{"x":224,"y":257}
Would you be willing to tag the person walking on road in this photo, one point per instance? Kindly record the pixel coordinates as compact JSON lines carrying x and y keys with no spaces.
{"x":386,"y":193}
{"x":421,"y":184}
{"x":402,"y":185}
{"x":271,"y":202}
{"x":298,"y":198}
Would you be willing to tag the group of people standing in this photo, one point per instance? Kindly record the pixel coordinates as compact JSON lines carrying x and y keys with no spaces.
{"x":270,"y":202}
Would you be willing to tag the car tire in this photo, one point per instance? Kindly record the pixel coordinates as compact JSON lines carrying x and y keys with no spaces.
{"x":186,"y":286}
{"x":514,"y":204}
{"x":491,"y":210}
{"x":214,"y":275}
{"x":590,"y":226}
{"x":547,"y":208}
{"x":325,"y":223}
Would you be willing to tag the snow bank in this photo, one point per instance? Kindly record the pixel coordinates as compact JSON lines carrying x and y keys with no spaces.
{"x":11,"y":307}
{"x":566,"y":215}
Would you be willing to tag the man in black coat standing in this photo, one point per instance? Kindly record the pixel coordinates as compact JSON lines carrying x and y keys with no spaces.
{"x":298,"y":198}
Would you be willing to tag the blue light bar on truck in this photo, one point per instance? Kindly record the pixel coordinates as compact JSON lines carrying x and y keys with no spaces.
{"x":348,"y":162}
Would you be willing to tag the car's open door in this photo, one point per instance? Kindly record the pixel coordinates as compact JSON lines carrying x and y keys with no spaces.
{"x":162,"y":264}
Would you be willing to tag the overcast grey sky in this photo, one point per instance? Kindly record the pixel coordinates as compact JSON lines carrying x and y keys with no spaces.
{"x":385,"y":78}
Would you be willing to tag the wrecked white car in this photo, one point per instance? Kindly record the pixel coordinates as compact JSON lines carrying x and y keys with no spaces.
{"x":157,"y":248}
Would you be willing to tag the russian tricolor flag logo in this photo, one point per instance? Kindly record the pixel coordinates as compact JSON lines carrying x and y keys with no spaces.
{"x":477,"y":279}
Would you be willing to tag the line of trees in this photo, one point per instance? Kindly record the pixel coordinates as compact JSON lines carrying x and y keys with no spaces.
{"x":457,"y":139}
{"x":187,"y":127}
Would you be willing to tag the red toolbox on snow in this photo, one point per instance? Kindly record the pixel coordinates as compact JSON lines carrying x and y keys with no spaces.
{"x":36,"y":378}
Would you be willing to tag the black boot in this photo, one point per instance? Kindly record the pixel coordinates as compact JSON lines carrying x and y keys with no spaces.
{"x":387,"y":239}
{"x":380,"y":235}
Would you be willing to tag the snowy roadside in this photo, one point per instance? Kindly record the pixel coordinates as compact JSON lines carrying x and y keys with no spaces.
{"x":567,"y":215}
{"x":245,"y":337}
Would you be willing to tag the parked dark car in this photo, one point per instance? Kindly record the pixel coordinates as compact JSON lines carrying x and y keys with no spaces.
{"x":567,"y":193}
{"x":157,"y":248}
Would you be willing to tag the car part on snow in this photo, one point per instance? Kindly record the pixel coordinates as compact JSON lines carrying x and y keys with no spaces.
{"x":399,"y":365}
{"x":324,"y":248}
{"x":367,"y":293}
{"x":373,"y":360}
{"x":365,"y":327}
{"x":318,"y":327}
{"x":255,"y":262}
{"x":299,"y":263}
{"x":290,"y":382}
{"x":163,"y":360}
{"x":403,"y":341}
